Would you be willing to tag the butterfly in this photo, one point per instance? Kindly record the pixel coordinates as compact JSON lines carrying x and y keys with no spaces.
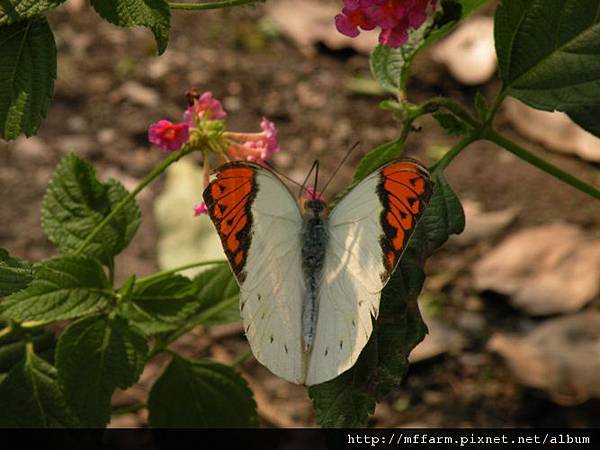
{"x":311,"y":280}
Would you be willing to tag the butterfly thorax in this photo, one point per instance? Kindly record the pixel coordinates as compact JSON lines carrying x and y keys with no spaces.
{"x":314,"y":244}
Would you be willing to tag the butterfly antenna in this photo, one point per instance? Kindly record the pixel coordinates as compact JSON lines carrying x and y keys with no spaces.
{"x":303,"y":185}
{"x":282,"y":175}
{"x":337,"y":169}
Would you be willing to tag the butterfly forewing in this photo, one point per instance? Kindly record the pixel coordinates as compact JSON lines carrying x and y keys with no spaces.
{"x":261,"y":229}
{"x":270,"y":273}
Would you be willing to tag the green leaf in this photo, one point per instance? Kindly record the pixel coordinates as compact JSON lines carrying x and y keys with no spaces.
{"x":75,"y":202}
{"x":27,"y":75}
{"x":376,"y":158}
{"x":62,"y":288}
{"x":152,"y":14}
{"x":217,"y":287}
{"x":161,"y":305}
{"x":451,"y":124}
{"x":391,"y":67}
{"x":481,"y":106}
{"x":587,"y":117}
{"x":201,"y":394}
{"x":30,"y":396}
{"x":347,"y":400}
{"x":94,"y":356}
{"x":12,"y":352}
{"x":12,"y":11}
{"x":548,"y":51}
{"x":15,"y":274}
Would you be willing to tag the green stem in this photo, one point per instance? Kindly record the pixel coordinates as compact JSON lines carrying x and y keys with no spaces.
{"x":211,"y":5}
{"x":194,"y":322}
{"x":541,"y":164}
{"x":173,"y":157}
{"x":453,"y":153}
{"x":163,"y":273}
{"x":241,"y":359}
{"x":454,"y":108}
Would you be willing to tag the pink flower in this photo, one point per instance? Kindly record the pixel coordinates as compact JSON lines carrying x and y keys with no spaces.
{"x":394,"y":17}
{"x":205,"y":106}
{"x":168,"y":136}
{"x":395,"y":37}
{"x":254,"y":146}
{"x":200,"y":209}
{"x":355,"y":14}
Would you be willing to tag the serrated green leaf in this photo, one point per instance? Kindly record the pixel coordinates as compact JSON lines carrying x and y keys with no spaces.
{"x":62,"y":288}
{"x":15,"y":274}
{"x":94,"y":356}
{"x":152,"y":14}
{"x":201,"y":394}
{"x":376,"y":158}
{"x":347,"y":400}
{"x":12,"y":11}
{"x":161,"y":305}
{"x":75,"y":202}
{"x":30,"y":396}
{"x":27,"y":74}
{"x":12,"y":352}
{"x":587,"y":117}
{"x":217,"y":286}
{"x":451,"y":124}
{"x":548,"y":51}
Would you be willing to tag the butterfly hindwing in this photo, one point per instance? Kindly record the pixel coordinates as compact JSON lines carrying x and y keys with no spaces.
{"x":267,"y":224}
{"x":368,"y":231}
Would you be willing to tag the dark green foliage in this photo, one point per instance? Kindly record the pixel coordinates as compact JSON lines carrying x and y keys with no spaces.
{"x":94,"y":356}
{"x":27,"y":74}
{"x":62,"y":288}
{"x":76,"y":202}
{"x":201,"y":394}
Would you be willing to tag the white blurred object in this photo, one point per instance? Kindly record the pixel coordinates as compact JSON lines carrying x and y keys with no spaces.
{"x":469,"y":52}
{"x":554,"y":130}
{"x":184,"y":238}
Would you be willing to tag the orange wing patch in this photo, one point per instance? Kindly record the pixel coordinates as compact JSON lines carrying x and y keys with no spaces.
{"x":229,"y":198}
{"x":404,"y":190}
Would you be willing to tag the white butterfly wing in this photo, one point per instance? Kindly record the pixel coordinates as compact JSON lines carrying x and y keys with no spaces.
{"x":368,"y":231}
{"x":269,"y":269}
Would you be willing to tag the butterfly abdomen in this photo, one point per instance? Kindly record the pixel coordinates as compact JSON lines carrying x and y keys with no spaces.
{"x":314,"y":244}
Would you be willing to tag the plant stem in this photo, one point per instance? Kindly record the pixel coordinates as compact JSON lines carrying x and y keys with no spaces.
{"x":173,"y":157}
{"x":194,"y":322}
{"x":179,"y":269}
{"x":453,"y":153}
{"x":241,"y":359}
{"x":211,"y":5}
{"x":454,"y":108}
{"x":541,"y":164}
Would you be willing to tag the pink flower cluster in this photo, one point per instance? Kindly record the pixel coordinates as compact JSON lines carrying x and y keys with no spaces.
{"x":203,"y":126}
{"x":394,"y":17}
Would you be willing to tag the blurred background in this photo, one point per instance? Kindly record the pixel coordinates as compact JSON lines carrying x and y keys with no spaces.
{"x":512,"y":304}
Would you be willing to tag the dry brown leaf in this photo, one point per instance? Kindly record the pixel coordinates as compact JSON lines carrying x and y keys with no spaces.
{"x":561,"y":356}
{"x":469,"y":52}
{"x":545,"y":270}
{"x":312,"y":21}
{"x":555,"y":130}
